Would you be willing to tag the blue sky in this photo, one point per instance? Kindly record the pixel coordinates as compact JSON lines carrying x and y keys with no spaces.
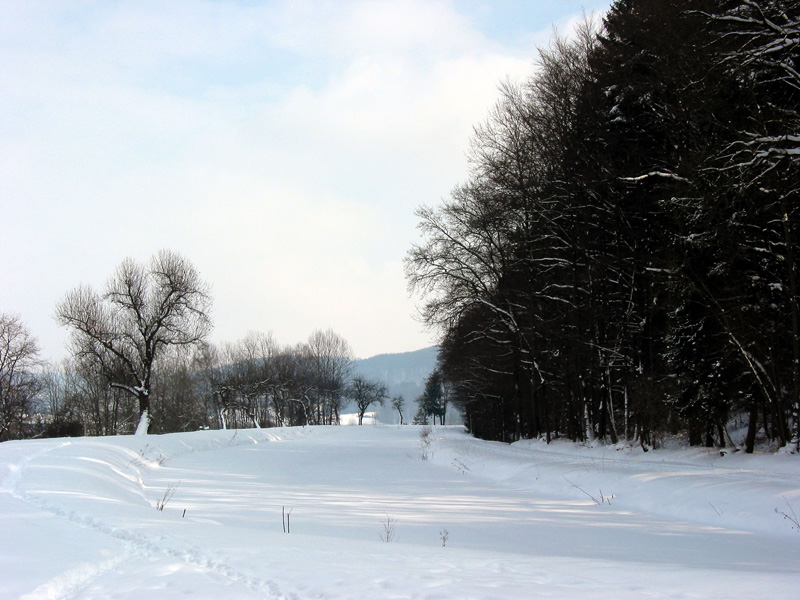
{"x":281,"y":146}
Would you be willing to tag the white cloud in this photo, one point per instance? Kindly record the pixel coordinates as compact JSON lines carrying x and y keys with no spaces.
{"x":282,"y":147}
{"x":362,"y":27}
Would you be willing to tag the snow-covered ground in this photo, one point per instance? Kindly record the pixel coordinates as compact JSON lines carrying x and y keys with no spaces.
{"x":476,"y":519}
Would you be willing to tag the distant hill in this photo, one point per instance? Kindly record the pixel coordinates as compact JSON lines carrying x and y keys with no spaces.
{"x":404,"y":375}
{"x":396,"y":369}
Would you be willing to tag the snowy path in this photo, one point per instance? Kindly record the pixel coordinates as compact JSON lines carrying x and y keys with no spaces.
{"x":79,"y":520}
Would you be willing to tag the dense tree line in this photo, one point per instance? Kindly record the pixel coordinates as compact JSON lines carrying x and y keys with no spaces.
{"x":140,"y":361}
{"x":621,"y":261}
{"x":254,"y":382}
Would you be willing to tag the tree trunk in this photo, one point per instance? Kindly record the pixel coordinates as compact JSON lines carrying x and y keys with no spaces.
{"x":627,"y":399}
{"x":144,"y":423}
{"x":144,"y":413}
{"x":787,"y":234}
{"x":588,"y":422}
{"x":517,"y":398}
{"x":752,"y":428}
{"x":545,"y":416}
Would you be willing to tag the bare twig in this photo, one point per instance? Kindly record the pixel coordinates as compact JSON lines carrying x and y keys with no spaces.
{"x":170,"y":491}
{"x":388,"y":534}
{"x":602,"y":500}
{"x":792,"y":518}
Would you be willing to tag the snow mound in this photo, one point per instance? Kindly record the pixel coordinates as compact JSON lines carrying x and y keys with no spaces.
{"x":304,"y":513}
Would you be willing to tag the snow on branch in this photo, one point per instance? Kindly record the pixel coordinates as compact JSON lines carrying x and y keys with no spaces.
{"x":663,"y":174}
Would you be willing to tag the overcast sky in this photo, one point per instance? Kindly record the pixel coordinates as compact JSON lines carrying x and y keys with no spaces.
{"x":281,"y":146}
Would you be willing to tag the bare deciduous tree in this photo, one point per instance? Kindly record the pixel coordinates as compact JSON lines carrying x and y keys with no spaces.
{"x":365,"y":393}
{"x":143,"y":310}
{"x":18,"y":357}
{"x":397,"y":403}
{"x":331,"y":364}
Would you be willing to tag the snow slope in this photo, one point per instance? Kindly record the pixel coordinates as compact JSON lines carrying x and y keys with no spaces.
{"x":78,"y":518}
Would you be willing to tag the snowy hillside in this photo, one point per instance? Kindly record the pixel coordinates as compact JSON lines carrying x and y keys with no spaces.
{"x":403,"y":374}
{"x":401,"y":368}
{"x":475,"y":519}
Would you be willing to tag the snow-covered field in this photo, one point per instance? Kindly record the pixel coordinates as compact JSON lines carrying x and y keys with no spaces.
{"x":479,"y":520}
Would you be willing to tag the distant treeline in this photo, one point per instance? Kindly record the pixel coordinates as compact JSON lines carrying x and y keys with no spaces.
{"x":140,"y":361}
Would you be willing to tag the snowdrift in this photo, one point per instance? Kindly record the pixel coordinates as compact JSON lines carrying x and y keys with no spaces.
{"x":306,"y":513}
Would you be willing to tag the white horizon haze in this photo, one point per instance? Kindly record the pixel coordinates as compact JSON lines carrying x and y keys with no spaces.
{"x":282,"y":147}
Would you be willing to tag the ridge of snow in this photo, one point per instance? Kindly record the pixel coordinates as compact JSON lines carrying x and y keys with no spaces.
{"x":522,"y":520}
